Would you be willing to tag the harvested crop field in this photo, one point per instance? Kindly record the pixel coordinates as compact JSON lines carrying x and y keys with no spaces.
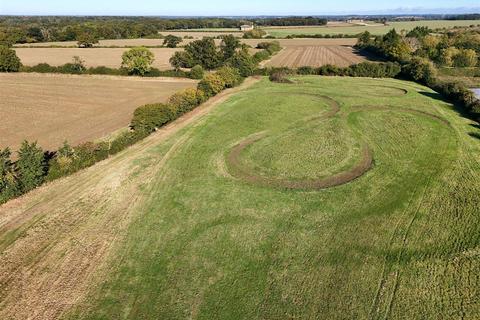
{"x":54,"y":108}
{"x":315,"y":56}
{"x":93,"y":57}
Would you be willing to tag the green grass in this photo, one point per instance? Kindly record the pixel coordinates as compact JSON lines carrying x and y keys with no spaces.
{"x":377,"y":30}
{"x":400,"y":242}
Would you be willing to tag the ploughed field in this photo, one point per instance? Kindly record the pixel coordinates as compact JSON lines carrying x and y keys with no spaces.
{"x":53,"y":108}
{"x":315,"y":56}
{"x":330,"y":198}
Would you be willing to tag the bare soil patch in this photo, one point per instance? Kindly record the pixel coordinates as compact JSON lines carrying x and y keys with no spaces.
{"x":53,"y":108}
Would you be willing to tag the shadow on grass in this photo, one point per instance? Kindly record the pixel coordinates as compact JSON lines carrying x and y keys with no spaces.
{"x":474,"y":135}
{"x":475,"y":125}
{"x":456,"y":107}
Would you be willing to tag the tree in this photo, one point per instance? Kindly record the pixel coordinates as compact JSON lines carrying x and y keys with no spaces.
{"x":197,"y":72}
{"x":421,"y":69}
{"x":394,"y":46}
{"x":229,"y":46}
{"x":86,"y":39}
{"x":447,"y":55}
{"x":244,"y":62}
{"x":9,"y":62}
{"x":364,"y":39}
{"x":171,"y":41}
{"x":138,"y":60}
{"x":465,"y":58}
{"x":211,"y":84}
{"x":230,"y":76}
{"x":31,"y":166}
{"x":8,"y":180}
{"x":204,"y":52}
{"x":181,"y":59}
{"x":419,"y":32}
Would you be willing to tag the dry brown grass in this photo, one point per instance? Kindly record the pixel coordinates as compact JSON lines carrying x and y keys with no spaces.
{"x":52,"y":108}
{"x":93,"y":57}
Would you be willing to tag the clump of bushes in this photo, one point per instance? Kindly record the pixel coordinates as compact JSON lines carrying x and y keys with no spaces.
{"x":254,"y":34}
{"x":197,"y":72}
{"x":151,"y":116}
{"x":211,"y":84}
{"x":9,"y":62}
{"x":280,"y":77}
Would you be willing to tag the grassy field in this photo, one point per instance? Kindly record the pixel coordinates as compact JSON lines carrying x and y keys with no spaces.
{"x":374,"y":29}
{"x":169,"y":229}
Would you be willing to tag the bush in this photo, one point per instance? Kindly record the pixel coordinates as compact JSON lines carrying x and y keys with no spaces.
{"x":422,"y":70}
{"x":230,"y":76}
{"x":375,"y":70}
{"x":126,"y":139}
{"x":76,"y":67}
{"x":306,"y":70}
{"x":106,"y":71}
{"x":9,"y":62}
{"x":261,"y":56}
{"x":137,"y":61}
{"x":151,"y":116}
{"x":280,"y":77}
{"x":465,"y":58}
{"x":330,"y":70}
{"x":8,"y":179}
{"x":186,"y":100}
{"x":211,"y":85}
{"x":40,"y":68}
{"x":31,"y":166}
{"x":196,"y":72}
{"x":254,"y":34}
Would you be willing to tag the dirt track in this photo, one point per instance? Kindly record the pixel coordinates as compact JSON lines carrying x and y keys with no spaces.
{"x":55,"y":240}
{"x":54,"y":108}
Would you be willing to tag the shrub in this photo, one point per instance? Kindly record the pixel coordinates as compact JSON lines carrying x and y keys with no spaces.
{"x":151,"y":116}
{"x":211,"y":85}
{"x":196,"y":72}
{"x":126,"y":139}
{"x":9,"y":62}
{"x":186,"y":100}
{"x":261,"y":56}
{"x":230,"y":76}
{"x":330,"y":70}
{"x":375,"y":70}
{"x":8,"y":180}
{"x":76,"y":67}
{"x":254,"y":34}
{"x":31,"y":166}
{"x":280,"y":77}
{"x":106,"y":71}
{"x":421,"y":69}
{"x":137,"y":61}
{"x":40,"y":68}
{"x":306,"y":70}
{"x":62,"y":162}
{"x":465,"y":58}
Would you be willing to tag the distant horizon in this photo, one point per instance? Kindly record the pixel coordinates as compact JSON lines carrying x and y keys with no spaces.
{"x":245,"y":8}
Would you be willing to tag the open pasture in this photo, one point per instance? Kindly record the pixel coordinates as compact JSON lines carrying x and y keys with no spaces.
{"x":376,"y":29}
{"x":54,"y":108}
{"x":187,"y":224}
{"x":93,"y":57}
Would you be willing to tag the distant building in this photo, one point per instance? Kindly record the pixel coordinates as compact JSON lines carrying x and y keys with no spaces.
{"x":246,"y":27}
{"x":355,"y":21}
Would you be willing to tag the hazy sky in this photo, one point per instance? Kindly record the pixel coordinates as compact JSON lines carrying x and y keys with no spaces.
{"x":225,"y":7}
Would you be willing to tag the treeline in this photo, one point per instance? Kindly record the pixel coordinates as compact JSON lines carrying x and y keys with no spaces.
{"x":231,"y":52}
{"x":419,"y":57}
{"x":364,"y":69}
{"x":45,"y":29}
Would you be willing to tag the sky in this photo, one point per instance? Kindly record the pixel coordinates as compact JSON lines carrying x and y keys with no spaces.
{"x":232,"y":7}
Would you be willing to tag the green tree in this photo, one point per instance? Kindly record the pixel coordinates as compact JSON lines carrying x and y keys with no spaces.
{"x":394,"y":46}
{"x":244,"y":62}
{"x":230,"y":76}
{"x":204,"y":52}
{"x":422,"y":70}
{"x":229,"y":46}
{"x":364,"y":39}
{"x":86,"y":39}
{"x":8,"y":180}
{"x":9,"y":62}
{"x":172,"y":41}
{"x":181,"y":59}
{"x":211,"y":84}
{"x":138,"y":60}
{"x":31,"y":166}
{"x":197,"y":72}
